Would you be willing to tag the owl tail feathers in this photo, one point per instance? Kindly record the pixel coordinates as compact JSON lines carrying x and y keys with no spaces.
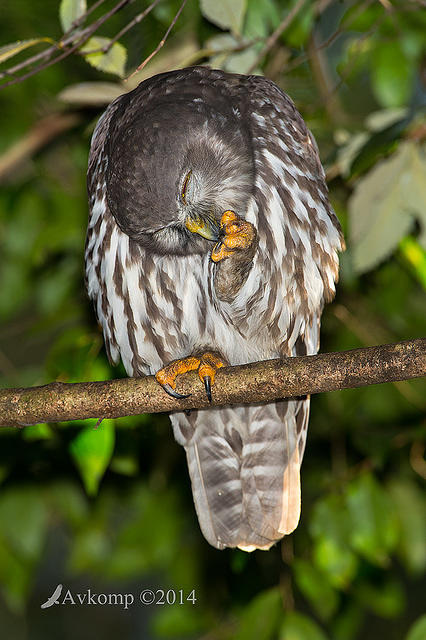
{"x":290,"y":506}
{"x":232,"y":512}
{"x":291,"y":503}
{"x":246,"y":495}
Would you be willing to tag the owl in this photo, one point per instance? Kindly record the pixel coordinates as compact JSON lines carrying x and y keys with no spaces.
{"x":211,"y":242}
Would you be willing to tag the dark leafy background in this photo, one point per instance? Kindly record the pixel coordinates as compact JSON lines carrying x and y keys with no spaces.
{"x":111,"y":509}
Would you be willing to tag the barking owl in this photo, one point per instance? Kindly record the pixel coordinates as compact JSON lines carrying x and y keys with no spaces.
{"x":211,"y":241}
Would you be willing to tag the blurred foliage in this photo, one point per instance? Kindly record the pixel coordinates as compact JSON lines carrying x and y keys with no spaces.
{"x":110,"y":508}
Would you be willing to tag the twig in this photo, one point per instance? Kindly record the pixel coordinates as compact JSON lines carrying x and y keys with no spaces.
{"x":79,"y":21}
{"x":277,"y":33}
{"x":81,"y":39}
{"x":160,"y":44}
{"x":125,"y":29}
{"x":41,"y":134}
{"x":305,"y":56}
{"x":207,"y":53}
{"x":31,"y":60}
{"x":322,"y":76}
{"x":332,"y":37}
{"x":66,"y":39}
{"x":252,"y":383}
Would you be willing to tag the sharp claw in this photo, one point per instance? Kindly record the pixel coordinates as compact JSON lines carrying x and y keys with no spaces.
{"x":175,"y":394}
{"x":208,"y":386}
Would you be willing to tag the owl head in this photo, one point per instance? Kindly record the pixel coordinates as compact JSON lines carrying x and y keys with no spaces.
{"x":174,"y":168}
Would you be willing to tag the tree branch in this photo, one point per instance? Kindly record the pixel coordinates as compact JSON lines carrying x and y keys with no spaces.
{"x":160,"y":44}
{"x":136,"y":20}
{"x":43,"y":132}
{"x":76,"y":38}
{"x":257,"y":382}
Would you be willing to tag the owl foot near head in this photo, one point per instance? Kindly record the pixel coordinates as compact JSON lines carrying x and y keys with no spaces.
{"x":207,"y":365}
{"x":237,"y":235}
{"x":233,"y":255}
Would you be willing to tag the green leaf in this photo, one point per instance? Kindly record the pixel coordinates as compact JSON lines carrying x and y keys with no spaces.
{"x":414,"y":189}
{"x":92,"y":450}
{"x":113,"y":61}
{"x":15,"y":579}
{"x":417,"y":630}
{"x":91,"y":549}
{"x":386,"y":599}
{"x":411,"y":512}
{"x":138,"y":547}
{"x":415,"y":255}
{"x":54,"y":288}
{"x":14,"y":277}
{"x":10,"y":50}
{"x":239,"y":560}
{"x":126,"y":465}
{"x":330,"y":527}
{"x":335,"y":560}
{"x":70,"y":11}
{"x":225,"y":58}
{"x":72,"y":356}
{"x":384,"y":203}
{"x":180,"y":621}
{"x":223,"y":44}
{"x":260,"y":618}
{"x":23,"y":517}
{"x":355,"y":20}
{"x":18,"y":240}
{"x":378,"y":145}
{"x":300,"y":27}
{"x":346,"y":624}
{"x":226,"y":14}
{"x":41,"y":431}
{"x":25,"y":226}
{"x":316,"y":587}
{"x":70,"y":501}
{"x":4,"y":472}
{"x":299,"y":627}
{"x":240,"y":62}
{"x":392,"y":74}
{"x":350,"y":150}
{"x":261,"y":18}
{"x":385,"y":118}
{"x":93,"y":94}
{"x":413,"y":44}
{"x":374,"y":527}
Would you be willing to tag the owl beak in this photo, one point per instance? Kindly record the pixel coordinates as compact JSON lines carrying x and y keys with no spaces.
{"x":207,"y":227}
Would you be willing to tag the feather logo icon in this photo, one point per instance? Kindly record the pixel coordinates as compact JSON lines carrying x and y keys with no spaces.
{"x":53,"y":598}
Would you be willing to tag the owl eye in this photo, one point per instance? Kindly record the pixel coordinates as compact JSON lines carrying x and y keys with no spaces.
{"x":185,"y":186}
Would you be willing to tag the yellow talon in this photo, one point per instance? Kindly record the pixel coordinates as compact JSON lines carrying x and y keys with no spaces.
{"x":227,"y":216}
{"x":207,"y":366}
{"x":239,"y":234}
{"x":168,"y":374}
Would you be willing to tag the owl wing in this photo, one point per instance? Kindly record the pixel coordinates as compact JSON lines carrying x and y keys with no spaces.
{"x":245,"y":462}
{"x":97,"y":156}
{"x":100,"y":230}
